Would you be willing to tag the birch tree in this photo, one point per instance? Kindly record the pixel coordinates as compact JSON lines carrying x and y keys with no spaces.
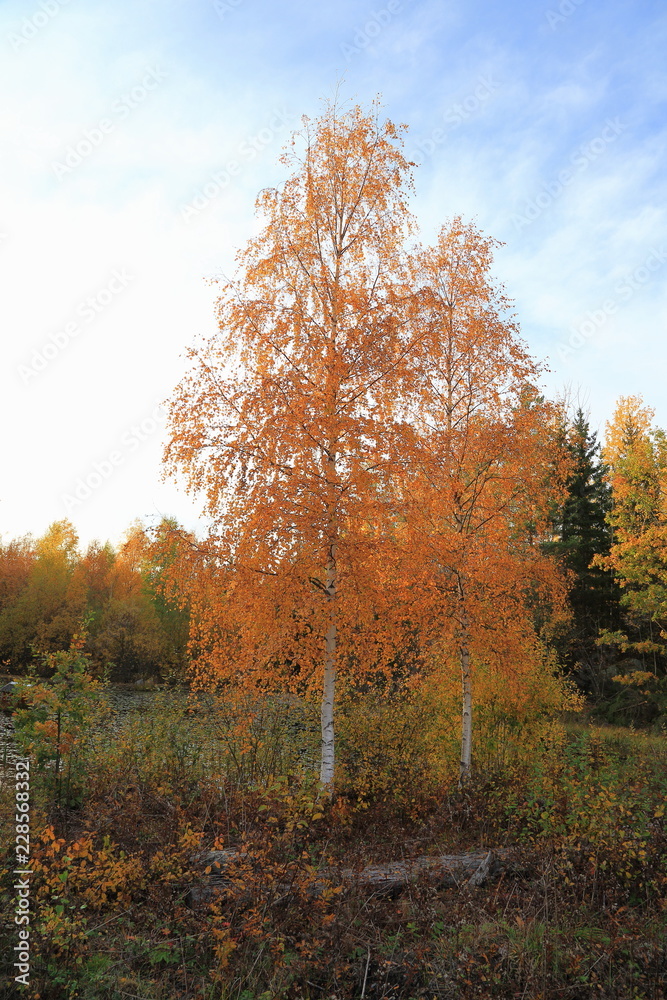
{"x":283,"y":420}
{"x":483,"y":463}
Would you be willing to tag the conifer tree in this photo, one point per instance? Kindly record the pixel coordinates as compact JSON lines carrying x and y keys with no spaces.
{"x":584,"y":534}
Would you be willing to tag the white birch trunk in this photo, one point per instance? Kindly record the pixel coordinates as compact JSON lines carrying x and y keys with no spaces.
{"x":466,"y":716}
{"x":328,"y":760}
{"x":329,"y":685}
{"x":466,"y":685}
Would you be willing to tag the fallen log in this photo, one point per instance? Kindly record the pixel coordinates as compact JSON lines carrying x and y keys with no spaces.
{"x":446,"y":871}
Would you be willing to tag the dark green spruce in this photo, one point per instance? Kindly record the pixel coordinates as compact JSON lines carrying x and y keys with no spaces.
{"x":581,"y":533}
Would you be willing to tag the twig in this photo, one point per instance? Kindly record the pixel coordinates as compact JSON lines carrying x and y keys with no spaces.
{"x":368,"y":962}
{"x":185,"y":970}
{"x":116,"y":917}
{"x":514,"y":885}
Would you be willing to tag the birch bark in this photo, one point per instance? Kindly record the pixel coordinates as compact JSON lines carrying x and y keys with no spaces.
{"x":466,"y":716}
{"x":329,"y":682}
{"x":466,"y":685}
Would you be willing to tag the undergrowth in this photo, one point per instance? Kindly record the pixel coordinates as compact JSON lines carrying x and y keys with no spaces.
{"x":577,"y":908}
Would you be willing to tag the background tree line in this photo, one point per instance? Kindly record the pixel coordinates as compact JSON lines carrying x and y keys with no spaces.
{"x":609,"y":537}
{"x":49,"y":587}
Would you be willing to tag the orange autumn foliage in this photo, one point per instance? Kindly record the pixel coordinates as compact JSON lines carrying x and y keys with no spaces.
{"x":282,"y":423}
{"x":485,"y":471}
{"x":375,"y":460}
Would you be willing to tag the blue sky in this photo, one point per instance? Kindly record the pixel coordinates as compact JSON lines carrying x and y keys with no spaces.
{"x":545,"y":122}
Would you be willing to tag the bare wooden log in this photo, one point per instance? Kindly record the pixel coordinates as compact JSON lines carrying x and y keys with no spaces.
{"x":443,"y":871}
{"x":480,"y":876}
